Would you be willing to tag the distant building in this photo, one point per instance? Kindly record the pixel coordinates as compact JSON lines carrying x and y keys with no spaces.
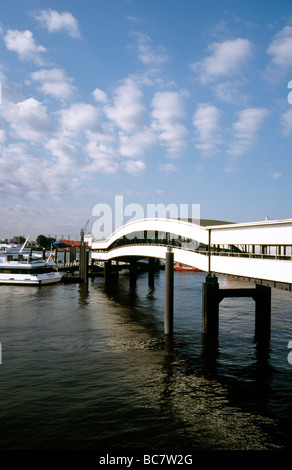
{"x":18,"y":239}
{"x":72,"y":242}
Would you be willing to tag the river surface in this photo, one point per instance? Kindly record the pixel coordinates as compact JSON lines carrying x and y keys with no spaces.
{"x":89,"y":368}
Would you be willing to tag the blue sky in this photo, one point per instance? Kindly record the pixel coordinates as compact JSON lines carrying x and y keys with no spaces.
{"x":160,"y":101}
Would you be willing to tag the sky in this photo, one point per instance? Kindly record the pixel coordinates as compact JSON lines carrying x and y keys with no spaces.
{"x":155,"y":101}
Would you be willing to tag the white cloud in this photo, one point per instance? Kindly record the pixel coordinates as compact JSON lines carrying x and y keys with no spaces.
{"x":286,"y":122}
{"x":127,"y":111}
{"x":55,"y":22}
{"x":168,"y":111}
{"x":28,"y":120}
{"x":134,"y":146}
{"x":225,"y":59}
{"x":10,"y":91}
{"x":26,"y":179}
{"x":23,"y":43}
{"x":276,"y":174}
{"x":245,"y":130}
{"x":146,"y":52}
{"x":2,"y":136}
{"x":103,"y":158}
{"x":54,"y":82}
{"x":280,"y":48}
{"x":66,"y":152}
{"x":134,"y":167}
{"x":79,"y":117}
{"x":167,"y":168}
{"x":99,"y":96}
{"x":206,"y":121}
{"x":230,"y":92}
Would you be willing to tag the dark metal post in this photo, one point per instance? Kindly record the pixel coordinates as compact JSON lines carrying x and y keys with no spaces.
{"x":133,"y":272}
{"x":151,"y":269}
{"x":168,"y":311}
{"x":209,"y":251}
{"x":211,"y":306}
{"x":107,"y":271}
{"x":81,"y":262}
{"x":262,"y":312}
{"x":86,"y":261}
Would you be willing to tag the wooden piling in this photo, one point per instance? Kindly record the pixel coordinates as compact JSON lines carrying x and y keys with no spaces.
{"x":83,"y":263}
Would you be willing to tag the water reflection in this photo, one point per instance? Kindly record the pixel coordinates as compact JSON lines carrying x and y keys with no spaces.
{"x":83,"y":291}
{"x":90,"y":366}
{"x":205,"y":396}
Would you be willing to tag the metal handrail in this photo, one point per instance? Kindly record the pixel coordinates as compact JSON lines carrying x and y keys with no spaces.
{"x":206,"y":252}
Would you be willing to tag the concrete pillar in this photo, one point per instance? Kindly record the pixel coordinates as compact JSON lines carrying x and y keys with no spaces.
{"x":210,"y":303}
{"x":262,"y":312}
{"x":168,"y":309}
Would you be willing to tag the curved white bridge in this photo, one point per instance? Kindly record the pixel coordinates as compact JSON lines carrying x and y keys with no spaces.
{"x":256,"y":250}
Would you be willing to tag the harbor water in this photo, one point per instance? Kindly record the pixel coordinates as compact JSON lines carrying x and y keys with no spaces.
{"x":89,"y":368}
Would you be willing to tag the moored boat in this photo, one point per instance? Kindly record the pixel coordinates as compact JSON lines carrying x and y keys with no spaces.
{"x":183,"y":267}
{"x":18,"y":269}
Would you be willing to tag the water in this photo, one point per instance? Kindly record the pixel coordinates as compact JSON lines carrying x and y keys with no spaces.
{"x":90,"y":368}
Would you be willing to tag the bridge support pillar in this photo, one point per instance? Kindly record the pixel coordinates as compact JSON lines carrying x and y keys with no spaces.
{"x":212,"y":297}
{"x":211,"y":306}
{"x":168,"y":308}
{"x":263,"y":312}
{"x":107,"y":269}
{"x":151,"y":270}
{"x":133,"y":272}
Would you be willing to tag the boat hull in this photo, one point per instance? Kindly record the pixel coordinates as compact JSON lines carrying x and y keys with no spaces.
{"x":19,"y":279}
{"x":183,"y":268}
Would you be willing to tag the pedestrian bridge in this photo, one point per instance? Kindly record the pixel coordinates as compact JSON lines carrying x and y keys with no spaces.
{"x":259,"y":251}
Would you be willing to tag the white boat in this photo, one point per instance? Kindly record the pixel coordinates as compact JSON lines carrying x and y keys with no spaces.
{"x":15,"y":268}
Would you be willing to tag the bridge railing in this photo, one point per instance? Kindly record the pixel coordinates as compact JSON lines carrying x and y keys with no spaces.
{"x":204,"y":251}
{"x":252,"y":255}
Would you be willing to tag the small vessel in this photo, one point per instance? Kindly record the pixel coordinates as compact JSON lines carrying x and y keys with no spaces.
{"x":183,"y":267}
{"x":15,"y":268}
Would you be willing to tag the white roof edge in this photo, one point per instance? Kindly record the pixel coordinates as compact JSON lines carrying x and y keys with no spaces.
{"x":249,"y":224}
